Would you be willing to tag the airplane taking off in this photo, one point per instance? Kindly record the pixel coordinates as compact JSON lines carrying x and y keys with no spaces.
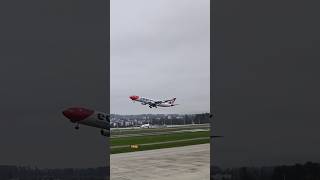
{"x":79,"y":115}
{"x":153,"y":103}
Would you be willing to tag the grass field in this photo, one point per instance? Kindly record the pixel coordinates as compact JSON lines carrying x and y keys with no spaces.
{"x":115,"y":132}
{"x":122,"y":144}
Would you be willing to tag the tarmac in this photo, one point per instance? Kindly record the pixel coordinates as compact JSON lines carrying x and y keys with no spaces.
{"x":179,"y":163}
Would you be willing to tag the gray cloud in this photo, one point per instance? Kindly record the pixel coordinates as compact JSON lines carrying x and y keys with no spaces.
{"x":160,"y":49}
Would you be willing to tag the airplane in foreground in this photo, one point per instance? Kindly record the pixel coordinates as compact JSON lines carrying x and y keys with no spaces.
{"x":80,"y":115}
{"x":154,"y":103}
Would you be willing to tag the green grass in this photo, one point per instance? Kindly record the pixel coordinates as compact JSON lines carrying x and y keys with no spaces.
{"x":159,"y":146}
{"x":158,"y":138}
{"x":146,"y":130}
{"x":189,"y":136}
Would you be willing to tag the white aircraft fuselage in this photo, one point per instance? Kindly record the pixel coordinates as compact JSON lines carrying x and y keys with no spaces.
{"x":154,"y":103}
{"x":79,"y":115}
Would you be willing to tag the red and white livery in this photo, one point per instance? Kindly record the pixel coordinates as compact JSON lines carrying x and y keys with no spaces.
{"x":154,"y":103}
{"x":80,"y":115}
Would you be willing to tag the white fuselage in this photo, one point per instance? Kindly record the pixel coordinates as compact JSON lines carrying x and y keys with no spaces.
{"x":153,"y":103}
{"x":165,"y":105}
{"x":80,"y":115}
{"x":97,"y":119}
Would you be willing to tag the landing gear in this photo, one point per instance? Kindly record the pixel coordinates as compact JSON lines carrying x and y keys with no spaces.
{"x":151,"y":106}
{"x":77,"y":126}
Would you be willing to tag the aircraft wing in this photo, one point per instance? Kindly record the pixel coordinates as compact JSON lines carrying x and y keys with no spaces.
{"x":152,"y":103}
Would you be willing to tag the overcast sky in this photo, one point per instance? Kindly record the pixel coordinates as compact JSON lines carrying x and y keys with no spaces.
{"x":160,"y":49}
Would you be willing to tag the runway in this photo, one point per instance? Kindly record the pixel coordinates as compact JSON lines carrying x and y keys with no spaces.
{"x":180,"y":163}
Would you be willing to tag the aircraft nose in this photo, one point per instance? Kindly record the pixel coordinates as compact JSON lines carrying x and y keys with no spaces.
{"x":134,"y":97}
{"x":77,"y":114}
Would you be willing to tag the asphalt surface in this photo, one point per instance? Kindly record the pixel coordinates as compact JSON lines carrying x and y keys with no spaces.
{"x":180,"y":163}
